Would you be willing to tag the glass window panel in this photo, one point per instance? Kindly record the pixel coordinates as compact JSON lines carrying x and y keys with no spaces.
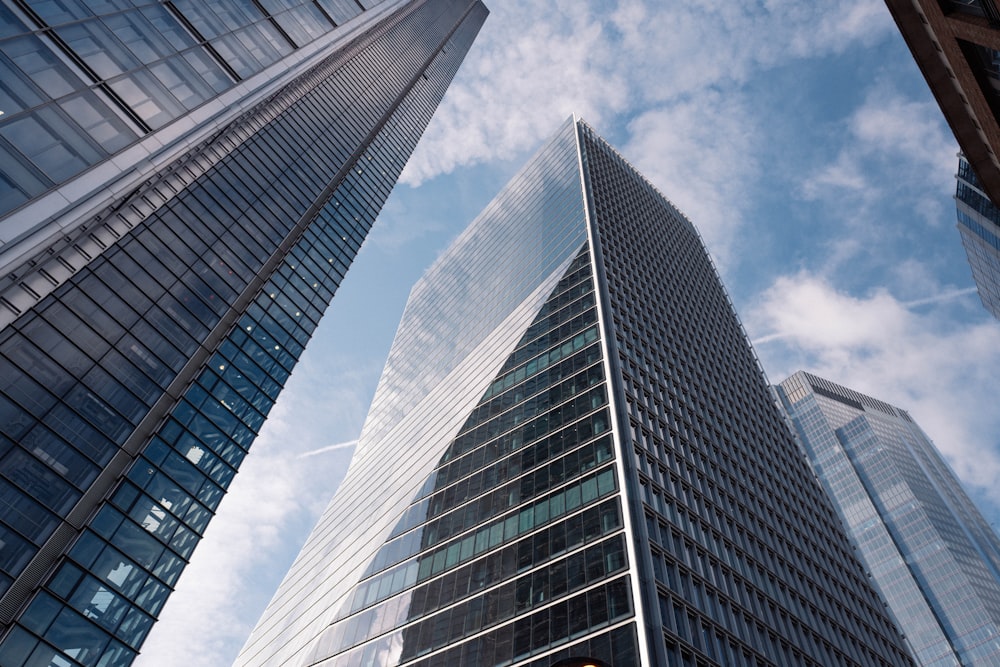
{"x":154,"y":518}
{"x":112,"y":296}
{"x":167,"y":26}
{"x":169,"y":567}
{"x":151,"y":363}
{"x":202,"y":17}
{"x":99,"y":48}
{"x":24,"y":515}
{"x":41,"y":66}
{"x":171,"y":331}
{"x":75,"y":635}
{"x":99,"y":603}
{"x":147,"y":97}
{"x":181,"y":470}
{"x":297,"y":26}
{"x":138,"y":34}
{"x":10,"y":24}
{"x":98,"y":413}
{"x":208,"y":69}
{"x":15,"y":551}
{"x":341,"y":10}
{"x":257,"y":44}
{"x":131,"y":377}
{"x":275,"y":6}
{"x":182,"y":81}
{"x":17,"y":92}
{"x":134,"y":628}
{"x":84,"y":437}
{"x":43,"y":484}
{"x":19,"y":179}
{"x":32,"y":361}
{"x":235,"y":15}
{"x":52,"y":142}
{"x":101,"y":7}
{"x":153,"y":596}
{"x":274,"y":38}
{"x":59,"y":456}
{"x":31,"y":397}
{"x":54,"y":12}
{"x":137,"y":544}
{"x":40,"y":613}
{"x":232,"y":51}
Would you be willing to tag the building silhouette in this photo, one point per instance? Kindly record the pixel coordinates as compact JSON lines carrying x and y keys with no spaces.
{"x":956,"y":44}
{"x":572,"y":457}
{"x":182,"y":186}
{"x":979,"y":226}
{"x":927,"y":547}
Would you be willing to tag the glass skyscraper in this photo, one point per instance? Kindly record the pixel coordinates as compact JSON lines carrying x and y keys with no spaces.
{"x":182,"y":186}
{"x":573,"y":453}
{"x":927,"y":547}
{"x":979,"y":225}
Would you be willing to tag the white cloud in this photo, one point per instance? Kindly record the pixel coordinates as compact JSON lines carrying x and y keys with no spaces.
{"x":536,"y":63}
{"x":671,"y":74}
{"x":533,"y":65}
{"x":913,"y":357}
{"x":700,"y":153}
{"x":851,"y":23}
{"x":890,"y":133}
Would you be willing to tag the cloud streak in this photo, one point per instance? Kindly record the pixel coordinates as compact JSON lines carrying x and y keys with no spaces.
{"x":349,"y":444}
{"x":939,"y":298}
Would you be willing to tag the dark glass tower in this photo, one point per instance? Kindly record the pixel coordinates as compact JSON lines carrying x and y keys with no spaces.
{"x":183,"y":185}
{"x":929,"y":550}
{"x":979,"y":225}
{"x":572,"y":453}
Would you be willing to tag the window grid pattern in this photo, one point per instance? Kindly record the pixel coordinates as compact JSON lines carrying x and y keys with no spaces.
{"x":516,"y":459}
{"x":933,"y":556}
{"x":750,"y":565}
{"x":979,"y":227}
{"x":82,"y":80}
{"x":461,"y":323}
{"x":115,"y":336}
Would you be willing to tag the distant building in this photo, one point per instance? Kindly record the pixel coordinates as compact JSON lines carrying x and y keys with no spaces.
{"x":956,"y":44}
{"x":979,"y":225}
{"x":183,"y":185}
{"x":572,"y":456}
{"x":929,"y":550}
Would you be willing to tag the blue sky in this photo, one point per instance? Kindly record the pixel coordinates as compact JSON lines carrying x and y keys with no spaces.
{"x":800,"y":139}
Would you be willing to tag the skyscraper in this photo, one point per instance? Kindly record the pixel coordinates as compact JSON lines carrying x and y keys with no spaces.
{"x":979,"y":225}
{"x":572,"y":453}
{"x":956,"y":44}
{"x":183,"y":186}
{"x":935,"y":559}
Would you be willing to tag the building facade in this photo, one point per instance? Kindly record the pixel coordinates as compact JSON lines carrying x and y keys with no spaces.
{"x":572,"y":454}
{"x":956,"y":44}
{"x":927,"y":547}
{"x":182,"y":187}
{"x":979,"y":226}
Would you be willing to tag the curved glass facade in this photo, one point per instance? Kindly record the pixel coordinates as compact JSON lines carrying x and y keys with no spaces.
{"x":979,"y":226}
{"x":933,"y":556}
{"x":461,"y":325}
{"x":576,"y":456}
